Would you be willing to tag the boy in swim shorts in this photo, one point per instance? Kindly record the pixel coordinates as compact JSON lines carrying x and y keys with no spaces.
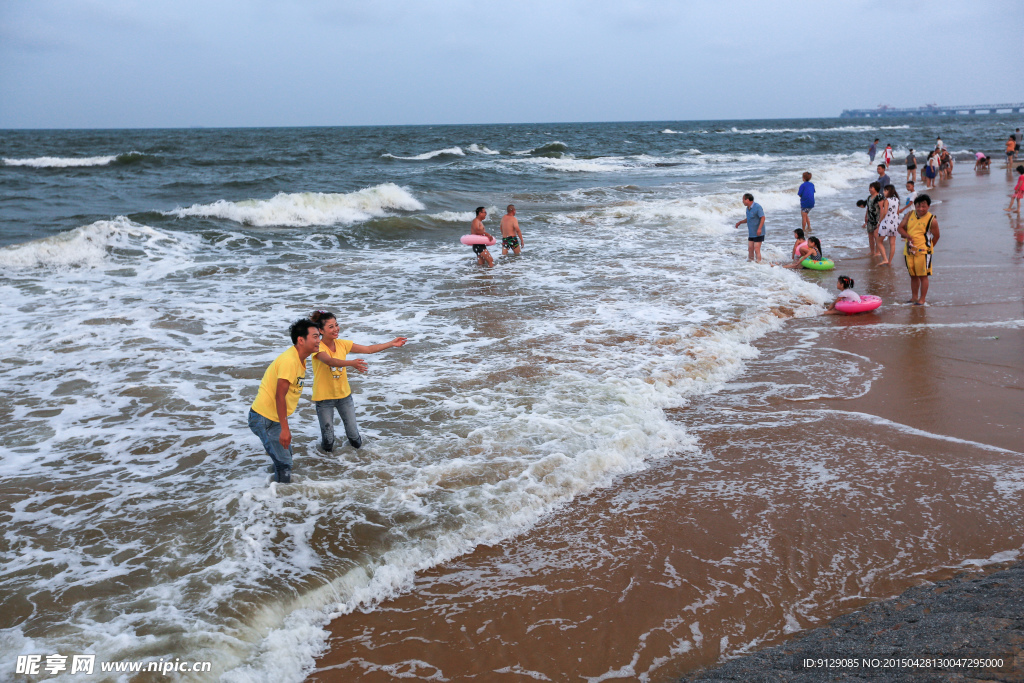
{"x":511,"y":235}
{"x":921,"y":231}
{"x":483,"y":257}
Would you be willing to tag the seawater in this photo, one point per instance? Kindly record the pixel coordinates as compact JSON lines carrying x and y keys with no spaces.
{"x":148,"y":277}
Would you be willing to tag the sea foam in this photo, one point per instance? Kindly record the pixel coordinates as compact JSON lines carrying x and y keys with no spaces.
{"x":303,"y":209}
{"x":74,"y":162}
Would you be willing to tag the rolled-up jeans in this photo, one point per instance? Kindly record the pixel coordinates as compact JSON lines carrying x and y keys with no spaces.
{"x":325,"y":414}
{"x":269,"y":433}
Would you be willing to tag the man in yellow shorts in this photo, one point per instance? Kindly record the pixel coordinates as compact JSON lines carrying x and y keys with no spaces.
{"x":920,"y":229}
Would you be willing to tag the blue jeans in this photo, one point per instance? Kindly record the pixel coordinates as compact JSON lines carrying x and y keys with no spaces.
{"x":325,"y":414}
{"x":269,"y":433}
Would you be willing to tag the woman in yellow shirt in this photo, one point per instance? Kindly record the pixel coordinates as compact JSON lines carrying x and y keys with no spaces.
{"x":330,"y":378}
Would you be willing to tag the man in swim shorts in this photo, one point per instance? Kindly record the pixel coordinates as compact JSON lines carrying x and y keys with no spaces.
{"x":278,"y":396}
{"x":911,"y":165}
{"x":921,"y":231}
{"x":483,"y":257}
{"x":755,"y":227}
{"x":511,"y":235}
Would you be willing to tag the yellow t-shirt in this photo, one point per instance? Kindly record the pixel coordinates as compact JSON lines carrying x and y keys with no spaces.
{"x":328,"y":382}
{"x":917,"y":228}
{"x":286,"y":366}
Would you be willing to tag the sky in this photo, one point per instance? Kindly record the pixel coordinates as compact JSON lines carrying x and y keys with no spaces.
{"x":228,"y":63}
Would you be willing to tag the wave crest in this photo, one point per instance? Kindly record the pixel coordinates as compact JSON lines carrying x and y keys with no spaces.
{"x":303,"y":209}
{"x":88,"y":246}
{"x":76,"y":162}
{"x":447,"y":151}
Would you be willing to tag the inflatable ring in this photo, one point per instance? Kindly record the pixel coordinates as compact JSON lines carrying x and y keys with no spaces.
{"x":470,"y":240}
{"x":826,"y":264}
{"x":866,"y":303}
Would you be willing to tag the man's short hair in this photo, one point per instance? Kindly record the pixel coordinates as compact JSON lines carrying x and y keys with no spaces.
{"x":510,"y":207}
{"x":881,"y":166}
{"x":923,"y":199}
{"x":300,"y":328}
{"x":876,"y":139}
{"x":479,"y":209}
{"x":748,"y":196}
{"x":876,"y":185}
{"x":807,"y":175}
{"x":910,"y":182}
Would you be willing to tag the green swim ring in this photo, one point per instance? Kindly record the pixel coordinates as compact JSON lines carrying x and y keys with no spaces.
{"x":825,"y":264}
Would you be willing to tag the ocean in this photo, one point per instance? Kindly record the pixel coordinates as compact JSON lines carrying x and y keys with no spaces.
{"x":148,"y":277}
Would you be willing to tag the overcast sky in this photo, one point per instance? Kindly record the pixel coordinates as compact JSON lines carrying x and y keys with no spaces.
{"x":174,"y":63}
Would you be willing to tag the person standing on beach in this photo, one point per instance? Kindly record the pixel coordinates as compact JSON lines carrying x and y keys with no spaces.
{"x":1011,"y":150}
{"x":806,"y":194}
{"x":908,"y":203}
{"x":755,"y":227}
{"x":511,"y":235}
{"x":278,"y":396}
{"x":938,"y":144}
{"x":1018,"y":190}
{"x":872,"y":150}
{"x":331,"y":390}
{"x":911,"y":165}
{"x":883,"y":177}
{"x":1016,"y":143}
{"x":887,"y":155}
{"x":872,"y":214}
{"x":889,"y":221}
{"x":920,"y":229}
{"x":483,"y":257}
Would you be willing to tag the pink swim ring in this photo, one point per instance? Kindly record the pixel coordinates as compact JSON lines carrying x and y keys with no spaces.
{"x":470,"y":240}
{"x":866,"y":303}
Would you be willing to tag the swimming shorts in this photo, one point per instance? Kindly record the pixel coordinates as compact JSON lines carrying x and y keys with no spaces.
{"x":759,"y":238}
{"x":510,"y":242}
{"x":806,"y":209}
{"x":479,"y":248}
{"x":919,"y":264}
{"x":911,"y":168}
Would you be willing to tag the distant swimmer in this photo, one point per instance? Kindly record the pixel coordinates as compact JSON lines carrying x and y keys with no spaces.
{"x":278,"y":396}
{"x":331,"y":390}
{"x":483,"y":257}
{"x":511,"y":235}
{"x":755,"y":227}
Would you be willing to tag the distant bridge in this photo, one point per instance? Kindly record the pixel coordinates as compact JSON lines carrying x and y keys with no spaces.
{"x":933,"y":110}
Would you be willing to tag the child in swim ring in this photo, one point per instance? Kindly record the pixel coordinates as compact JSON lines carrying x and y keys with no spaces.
{"x":811,"y":249}
{"x":800,"y":241}
{"x":846,"y":293}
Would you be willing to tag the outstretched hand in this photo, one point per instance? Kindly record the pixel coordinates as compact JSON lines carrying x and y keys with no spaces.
{"x":360,"y":364}
{"x":398,"y":341}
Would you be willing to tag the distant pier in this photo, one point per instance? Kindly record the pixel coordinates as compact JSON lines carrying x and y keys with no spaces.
{"x":933,"y":110}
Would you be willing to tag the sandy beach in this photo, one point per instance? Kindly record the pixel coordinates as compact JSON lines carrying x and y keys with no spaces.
{"x":892,"y":486}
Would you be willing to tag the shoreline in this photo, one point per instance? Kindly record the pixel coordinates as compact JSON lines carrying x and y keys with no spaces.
{"x":926,"y":396}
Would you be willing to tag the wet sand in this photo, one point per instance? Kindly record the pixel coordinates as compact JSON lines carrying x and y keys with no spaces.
{"x":812,"y":492}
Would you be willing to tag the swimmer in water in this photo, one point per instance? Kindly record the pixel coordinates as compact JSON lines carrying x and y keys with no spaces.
{"x":511,"y":235}
{"x":483,"y":257}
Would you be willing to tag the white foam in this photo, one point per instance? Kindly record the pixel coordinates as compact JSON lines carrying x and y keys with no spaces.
{"x":88,"y":246}
{"x":481,"y":149}
{"x":309,"y":208}
{"x":60,"y":162}
{"x":447,"y":151}
{"x":835,"y":129}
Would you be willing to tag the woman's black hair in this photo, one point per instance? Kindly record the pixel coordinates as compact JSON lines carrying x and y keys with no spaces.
{"x":1020,"y":169}
{"x":799,"y":233}
{"x":895,"y":194}
{"x":320,"y":318}
{"x":846,"y":282}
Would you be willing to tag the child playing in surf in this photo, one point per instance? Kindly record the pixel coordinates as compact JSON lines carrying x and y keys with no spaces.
{"x":1018,"y":190}
{"x":811,"y":249}
{"x":483,"y":257}
{"x":846,"y":293}
{"x":330,"y":378}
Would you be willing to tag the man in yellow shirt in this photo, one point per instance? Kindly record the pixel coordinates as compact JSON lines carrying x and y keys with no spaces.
{"x":921,"y":230}
{"x":278,"y":397}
